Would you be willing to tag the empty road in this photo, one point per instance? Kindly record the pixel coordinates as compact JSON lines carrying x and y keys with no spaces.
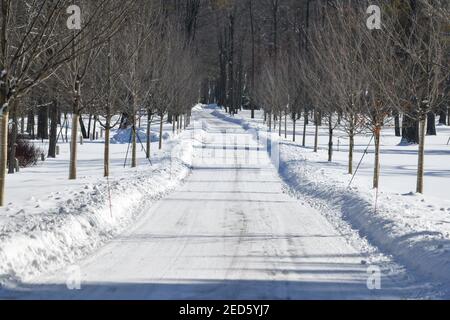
{"x":228,"y":232}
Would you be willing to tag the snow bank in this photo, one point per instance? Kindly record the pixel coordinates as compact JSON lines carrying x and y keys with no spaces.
{"x":401,"y":225}
{"x":37,"y":239}
{"x":412,"y":228}
{"x":124,"y":136}
{"x":198,"y":107}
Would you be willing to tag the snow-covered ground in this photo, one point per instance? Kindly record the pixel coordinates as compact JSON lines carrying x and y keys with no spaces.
{"x":230,"y":231}
{"x":413,"y":228}
{"x":235,"y":228}
{"x":50,"y":222}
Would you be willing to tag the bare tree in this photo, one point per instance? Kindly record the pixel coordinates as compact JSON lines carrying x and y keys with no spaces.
{"x":419,"y":74}
{"x":33,"y":45}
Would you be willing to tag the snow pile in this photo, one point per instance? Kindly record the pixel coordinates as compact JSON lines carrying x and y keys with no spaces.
{"x":198,"y":107}
{"x":415,"y":232}
{"x":124,"y":136}
{"x":412,"y":228}
{"x":40,"y":238}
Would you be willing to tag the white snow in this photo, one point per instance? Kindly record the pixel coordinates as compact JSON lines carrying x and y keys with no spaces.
{"x":124,"y":136}
{"x":50,"y":222}
{"x":413,"y":228}
{"x":236,"y":228}
{"x":230,"y":231}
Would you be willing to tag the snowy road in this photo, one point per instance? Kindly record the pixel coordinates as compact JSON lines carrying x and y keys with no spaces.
{"x":229,"y":232}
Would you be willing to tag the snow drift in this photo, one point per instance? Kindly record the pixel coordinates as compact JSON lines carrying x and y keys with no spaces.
{"x":408,"y":227}
{"x":34,"y":241}
{"x":124,"y":136}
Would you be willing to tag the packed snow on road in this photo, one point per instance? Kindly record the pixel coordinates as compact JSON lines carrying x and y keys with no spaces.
{"x":227,"y":210}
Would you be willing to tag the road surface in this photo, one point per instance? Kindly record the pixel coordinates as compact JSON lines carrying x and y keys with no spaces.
{"x":228,"y":232}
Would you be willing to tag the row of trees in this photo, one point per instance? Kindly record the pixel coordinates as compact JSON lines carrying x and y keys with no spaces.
{"x":314,"y":59}
{"x":322,"y":60}
{"x":360,"y":79}
{"x":101,"y":58}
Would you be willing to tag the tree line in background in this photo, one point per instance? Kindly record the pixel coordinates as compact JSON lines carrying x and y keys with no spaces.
{"x":300,"y":59}
{"x":128,"y":58}
{"x":319,"y":61}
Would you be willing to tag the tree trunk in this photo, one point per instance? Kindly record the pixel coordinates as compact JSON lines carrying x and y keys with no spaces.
{"x":12,"y":147}
{"x":280,"y":123}
{"x":398,"y":132}
{"x":89,"y":126}
{"x":316,"y":133}
{"x":66,"y":133}
{"x":410,"y":130}
{"x":4,"y":38}
{"x":108,"y":117}
{"x":22,"y":125}
{"x":431,"y":124}
{"x":30,"y":123}
{"x":174,"y":124}
{"x":161,"y":131}
{"x":305,"y":127}
{"x":443,"y":116}
{"x":330,"y":140}
{"x":3,"y":154}
{"x":133,"y":141}
{"x":149,"y":136}
{"x":231,"y":93}
{"x":285,"y":124}
{"x":53,"y":130}
{"x":42,"y":131}
{"x":73,"y":147}
{"x":448,"y":116}
{"x":420,"y":167}
{"x":351,"y":148}
{"x":83,"y":128}
{"x":106,"y":149}
{"x":12,"y":139}
{"x":294,"y":123}
{"x":376,"y":173}
{"x":252,"y":28}
{"x":94,"y":129}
